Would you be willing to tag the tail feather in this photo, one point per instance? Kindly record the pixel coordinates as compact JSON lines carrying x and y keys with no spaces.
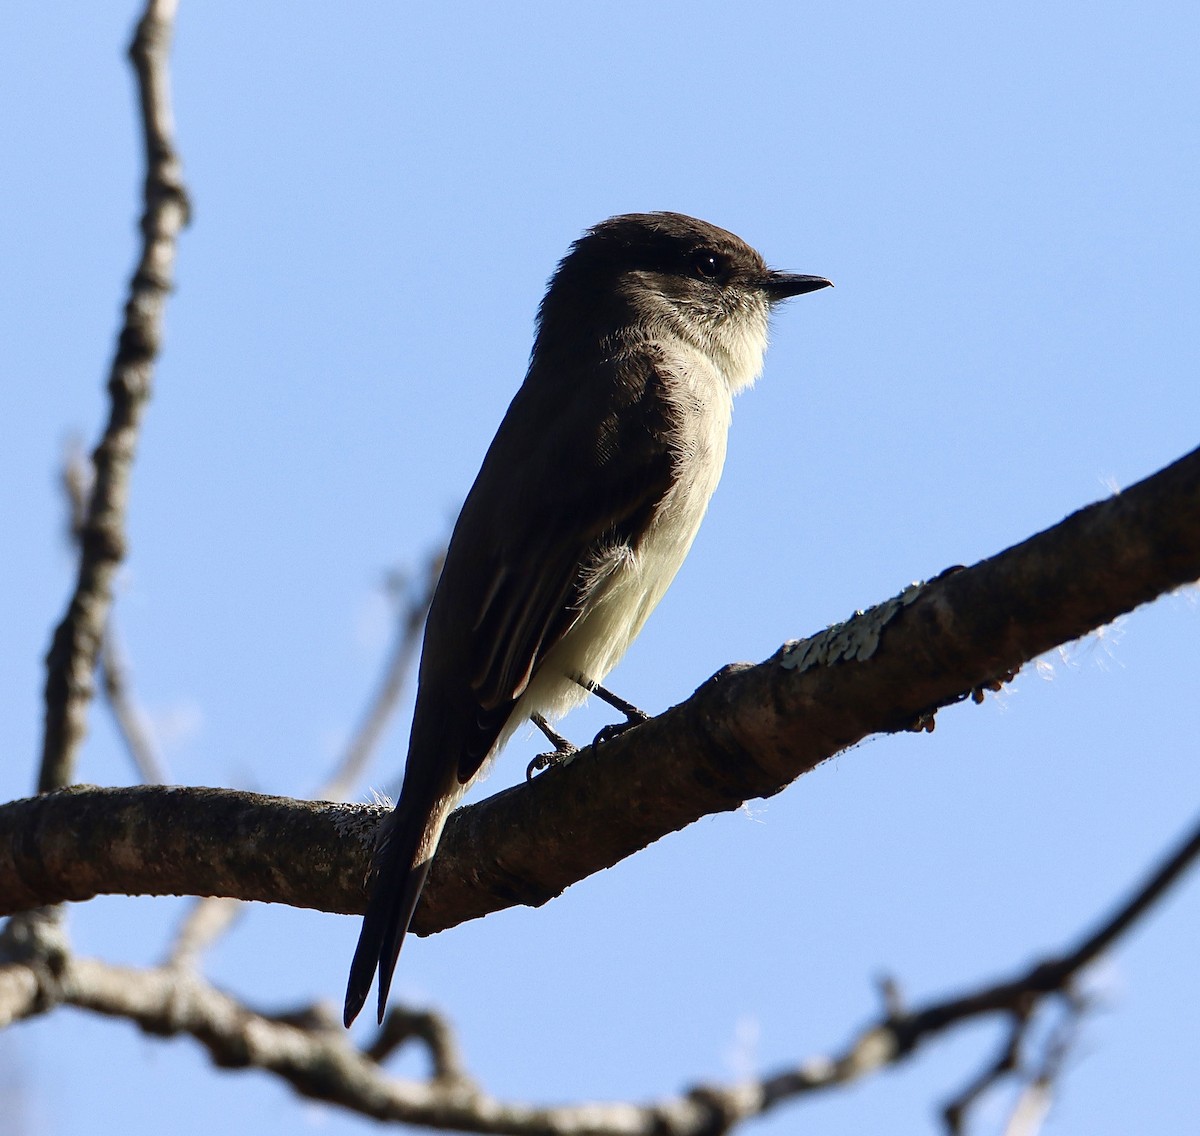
{"x":432,"y":786}
{"x":394,"y":895}
{"x":393,"y":938}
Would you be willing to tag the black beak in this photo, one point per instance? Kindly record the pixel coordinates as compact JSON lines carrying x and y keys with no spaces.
{"x":780,"y":285}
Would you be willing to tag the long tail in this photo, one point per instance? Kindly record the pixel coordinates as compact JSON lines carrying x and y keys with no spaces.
{"x":402,"y":863}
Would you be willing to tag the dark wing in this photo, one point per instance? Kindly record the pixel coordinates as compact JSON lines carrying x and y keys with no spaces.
{"x":575,"y":473}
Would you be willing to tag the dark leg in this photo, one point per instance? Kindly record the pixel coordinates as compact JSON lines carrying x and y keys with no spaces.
{"x":563,"y":749}
{"x":633,"y":716}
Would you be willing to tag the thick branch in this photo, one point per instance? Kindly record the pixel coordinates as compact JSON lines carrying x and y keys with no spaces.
{"x":71,"y":660}
{"x":748,"y":732}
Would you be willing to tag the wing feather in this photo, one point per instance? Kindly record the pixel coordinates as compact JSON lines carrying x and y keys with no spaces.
{"x":535,"y":528}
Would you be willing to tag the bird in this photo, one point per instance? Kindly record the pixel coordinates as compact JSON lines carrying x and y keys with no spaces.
{"x":586,"y":504}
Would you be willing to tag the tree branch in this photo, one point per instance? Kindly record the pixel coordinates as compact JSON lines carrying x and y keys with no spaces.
{"x":411,"y":615}
{"x":748,"y":732}
{"x":898,"y":1034}
{"x":77,"y":482}
{"x":71,"y":660}
{"x":1037,"y":1093}
{"x":307,"y":1050}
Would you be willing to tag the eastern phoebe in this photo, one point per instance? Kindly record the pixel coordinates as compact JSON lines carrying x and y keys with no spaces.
{"x":588,"y":500}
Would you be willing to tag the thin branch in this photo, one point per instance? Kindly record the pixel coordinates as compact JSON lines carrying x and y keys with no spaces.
{"x":1031,"y":1109}
{"x":78,"y":480}
{"x":382,"y":705}
{"x":1006,"y":1062}
{"x":71,"y":660}
{"x":131,"y":722}
{"x":212,"y":916}
{"x":319,"y":1062}
{"x":1055,"y":974}
{"x":323,"y":1065}
{"x":206,"y":922}
{"x":402,"y":1025}
{"x":1037,"y":1095}
{"x":896,"y":1037}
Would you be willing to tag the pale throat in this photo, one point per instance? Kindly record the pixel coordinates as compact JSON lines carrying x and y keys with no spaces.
{"x":736,"y":345}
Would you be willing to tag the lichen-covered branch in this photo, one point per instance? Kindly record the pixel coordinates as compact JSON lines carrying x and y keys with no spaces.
{"x":71,"y":660}
{"x":748,"y":732}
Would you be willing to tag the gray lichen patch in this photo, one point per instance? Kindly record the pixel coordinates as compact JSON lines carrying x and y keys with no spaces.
{"x":855,"y":639}
{"x":358,"y":822}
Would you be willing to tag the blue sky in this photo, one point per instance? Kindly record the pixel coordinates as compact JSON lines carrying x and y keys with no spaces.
{"x":1006,"y":200}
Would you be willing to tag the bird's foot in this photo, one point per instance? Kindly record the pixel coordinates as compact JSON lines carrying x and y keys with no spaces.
{"x":633,"y":715}
{"x":561,"y":754}
{"x":616,"y":729}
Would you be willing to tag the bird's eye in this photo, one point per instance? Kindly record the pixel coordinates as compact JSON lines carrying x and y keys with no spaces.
{"x":708,"y":264}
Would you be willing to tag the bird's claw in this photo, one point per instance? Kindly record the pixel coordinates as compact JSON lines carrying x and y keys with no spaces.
{"x":562,"y":753}
{"x":551,"y":760}
{"x":633,"y":717}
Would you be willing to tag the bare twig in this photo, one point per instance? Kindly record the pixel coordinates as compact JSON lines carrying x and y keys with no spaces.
{"x":319,"y":1061}
{"x":206,"y":921}
{"x":383,"y":702}
{"x":1030,"y":1112}
{"x":1037,"y":1095}
{"x":894,"y":1038}
{"x":322,"y":1064}
{"x":1007,"y":1061}
{"x":131,"y":723}
{"x":211,"y":917}
{"x":78,"y":480}
{"x":402,"y":1024}
{"x":71,"y":660}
